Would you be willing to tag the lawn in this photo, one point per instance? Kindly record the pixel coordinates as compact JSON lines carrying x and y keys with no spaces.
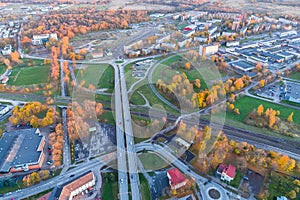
{"x":145,"y":191}
{"x":291,"y":103}
{"x":206,"y":71}
{"x":237,"y":179}
{"x":137,"y":99}
{"x":29,"y":75}
{"x":107,"y":117}
{"x":100,"y":75}
{"x":110,"y":186}
{"x":151,"y":161}
{"x":38,"y":195}
{"x":2,"y":68}
{"x":247,"y":104}
{"x":295,"y":76}
{"x":145,"y":89}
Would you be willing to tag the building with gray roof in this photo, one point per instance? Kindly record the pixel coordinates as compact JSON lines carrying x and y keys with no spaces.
{"x":21,"y":150}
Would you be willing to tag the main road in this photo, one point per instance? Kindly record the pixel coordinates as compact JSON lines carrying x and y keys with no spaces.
{"x":121,"y":152}
{"x":131,"y":154}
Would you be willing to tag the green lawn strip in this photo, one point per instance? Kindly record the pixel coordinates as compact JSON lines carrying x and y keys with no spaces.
{"x":11,"y":188}
{"x":110,"y":186}
{"x":151,"y":161}
{"x":99,"y":75}
{"x":295,"y":76}
{"x":290,"y":103}
{"x":36,"y":196}
{"x":30,"y":76}
{"x":248,"y":104}
{"x":145,"y":190}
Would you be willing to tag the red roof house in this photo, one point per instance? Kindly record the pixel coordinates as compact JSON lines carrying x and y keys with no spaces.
{"x":176,"y":179}
{"x":227,"y":173}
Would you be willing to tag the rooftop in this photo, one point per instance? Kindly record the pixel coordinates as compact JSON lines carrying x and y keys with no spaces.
{"x":176,"y":176}
{"x":230,"y":171}
{"x":19,"y":147}
{"x":244,"y":65}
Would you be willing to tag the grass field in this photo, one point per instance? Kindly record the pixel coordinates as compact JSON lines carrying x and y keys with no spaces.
{"x":145,"y":191}
{"x":2,"y":68}
{"x":29,"y":75}
{"x":137,"y":99}
{"x":145,"y":89}
{"x":151,"y":161}
{"x":110,"y":186}
{"x":280,"y":185}
{"x":206,"y":71}
{"x":247,"y":104}
{"x":101,"y":76}
{"x":295,"y":76}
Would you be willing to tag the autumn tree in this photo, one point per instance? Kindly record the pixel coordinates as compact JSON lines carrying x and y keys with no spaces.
{"x":260,"y":110}
{"x":187,"y":66}
{"x":290,"y":117}
{"x":14,"y":56}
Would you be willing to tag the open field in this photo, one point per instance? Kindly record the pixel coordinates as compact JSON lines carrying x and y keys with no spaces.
{"x":151,"y":161}
{"x":145,"y":89}
{"x":145,"y":191}
{"x":295,"y":76}
{"x":101,"y":76}
{"x":137,"y":99}
{"x":110,"y":186}
{"x":30,"y":75}
{"x":206,"y":71}
{"x":247,"y":104}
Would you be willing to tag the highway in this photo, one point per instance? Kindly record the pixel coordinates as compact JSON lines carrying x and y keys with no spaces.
{"x":121,"y":152}
{"x":131,"y":154}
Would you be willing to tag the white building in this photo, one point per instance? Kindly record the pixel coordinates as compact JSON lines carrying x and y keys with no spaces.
{"x":7,"y":50}
{"x":39,"y":39}
{"x":208,"y":49}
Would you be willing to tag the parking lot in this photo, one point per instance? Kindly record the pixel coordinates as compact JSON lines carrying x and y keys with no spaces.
{"x":102,"y":140}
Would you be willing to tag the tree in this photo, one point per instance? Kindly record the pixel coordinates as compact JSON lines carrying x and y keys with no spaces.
{"x":15,"y":57}
{"x":260,"y":110}
{"x":197,"y":83}
{"x":290,"y":117}
{"x":187,"y":66}
{"x":292,"y":194}
{"x":262,"y":83}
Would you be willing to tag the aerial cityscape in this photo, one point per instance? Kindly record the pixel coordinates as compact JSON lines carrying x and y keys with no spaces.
{"x":150,"y":100}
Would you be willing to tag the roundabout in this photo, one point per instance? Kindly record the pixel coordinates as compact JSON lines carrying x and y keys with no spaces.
{"x":213,"y":193}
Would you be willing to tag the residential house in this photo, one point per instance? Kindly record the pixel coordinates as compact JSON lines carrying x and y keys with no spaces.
{"x":227,"y":172}
{"x":176,"y":179}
